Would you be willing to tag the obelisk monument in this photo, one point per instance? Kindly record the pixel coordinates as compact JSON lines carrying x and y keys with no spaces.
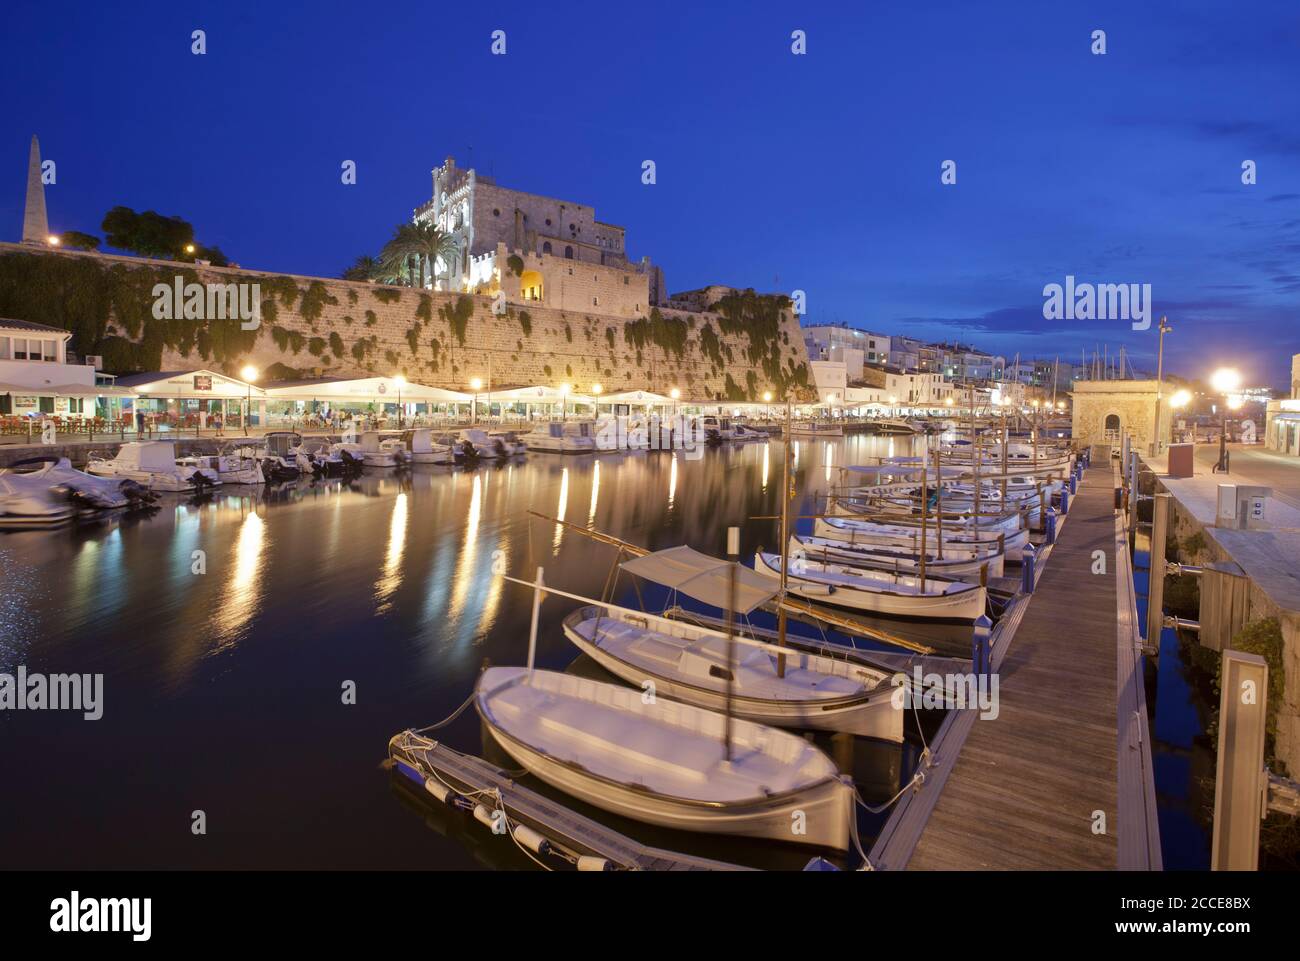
{"x":36,"y":227}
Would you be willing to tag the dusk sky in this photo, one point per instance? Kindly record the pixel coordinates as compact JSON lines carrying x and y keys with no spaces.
{"x":818,"y":172}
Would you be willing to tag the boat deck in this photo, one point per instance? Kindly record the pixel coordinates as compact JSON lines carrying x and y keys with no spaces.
{"x":1023,"y":791}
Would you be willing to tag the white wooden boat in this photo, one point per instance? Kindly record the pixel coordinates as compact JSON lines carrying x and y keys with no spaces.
{"x":28,"y":500}
{"x":689,"y":663}
{"x":893,"y":558}
{"x":813,"y":428}
{"x":717,"y":427}
{"x":374,"y":451}
{"x":743,"y":433}
{"x":957,"y":540}
{"x":876,"y":592}
{"x":152,"y":464}
{"x":561,"y":437}
{"x":663,"y":762}
{"x":421,"y":448}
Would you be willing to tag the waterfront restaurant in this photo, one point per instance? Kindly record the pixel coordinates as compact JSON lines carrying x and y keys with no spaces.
{"x":326,"y":400}
{"x":631,"y":402}
{"x":189,"y":399}
{"x":39,"y":379}
{"x":528,"y":403}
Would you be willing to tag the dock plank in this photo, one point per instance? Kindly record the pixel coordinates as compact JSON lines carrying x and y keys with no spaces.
{"x":1022,"y":792}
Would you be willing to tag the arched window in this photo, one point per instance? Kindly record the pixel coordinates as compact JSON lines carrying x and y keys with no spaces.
{"x":1112,"y":422}
{"x":546,"y":247}
{"x":568,"y":253}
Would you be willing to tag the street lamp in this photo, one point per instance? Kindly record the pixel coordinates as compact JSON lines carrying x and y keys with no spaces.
{"x":564,"y":401}
{"x":596,"y":391}
{"x":1225,"y":380}
{"x":400,"y":381}
{"x":249,"y":373}
{"x":53,"y":240}
{"x":475,"y":385}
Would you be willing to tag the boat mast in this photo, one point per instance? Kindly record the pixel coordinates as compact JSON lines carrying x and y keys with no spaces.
{"x":733,"y":552}
{"x":785,"y":538}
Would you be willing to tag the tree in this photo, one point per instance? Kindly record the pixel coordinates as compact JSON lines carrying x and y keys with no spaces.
{"x":416,"y":248}
{"x":363,"y":268}
{"x":148,"y":234}
{"x":76,"y":240}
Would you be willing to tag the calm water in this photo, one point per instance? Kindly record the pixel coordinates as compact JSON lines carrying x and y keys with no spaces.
{"x":223,"y":689}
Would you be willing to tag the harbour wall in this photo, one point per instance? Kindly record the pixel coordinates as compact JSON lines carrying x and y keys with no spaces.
{"x":315,"y":326}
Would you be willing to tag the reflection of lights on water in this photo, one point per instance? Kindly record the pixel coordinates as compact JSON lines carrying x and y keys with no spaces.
{"x":795,"y":456}
{"x":465,"y":564}
{"x":241,"y":589}
{"x":560,"y":509}
{"x":595,"y":493}
{"x":766,"y":449}
{"x":392,"y":576}
{"x":672,"y":482}
{"x":830,"y":459}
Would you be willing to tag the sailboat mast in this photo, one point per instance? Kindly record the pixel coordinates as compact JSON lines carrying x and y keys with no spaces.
{"x":785,"y":538}
{"x":733,"y":552}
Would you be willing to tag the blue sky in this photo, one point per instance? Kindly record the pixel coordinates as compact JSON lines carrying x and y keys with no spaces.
{"x":818,"y":172}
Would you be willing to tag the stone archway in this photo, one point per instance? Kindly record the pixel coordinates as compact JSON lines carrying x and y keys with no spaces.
{"x":1111,"y":428}
{"x":530,"y":285}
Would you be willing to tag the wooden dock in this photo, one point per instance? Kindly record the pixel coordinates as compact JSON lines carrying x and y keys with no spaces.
{"x":576,"y":835}
{"x":1029,"y":789}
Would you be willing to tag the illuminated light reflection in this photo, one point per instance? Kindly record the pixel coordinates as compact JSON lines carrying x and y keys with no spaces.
{"x":672,"y":482}
{"x":392,"y":576}
{"x":830,"y":459}
{"x":465,"y":563}
{"x":766,"y":449}
{"x":595,"y":493}
{"x":560,"y":510}
{"x":242,"y":588}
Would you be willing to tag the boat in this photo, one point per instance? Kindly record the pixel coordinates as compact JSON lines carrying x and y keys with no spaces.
{"x":876,"y":592}
{"x":421,"y":448}
{"x":376,"y":451}
{"x":689,"y":663}
{"x":152,"y":464}
{"x":485,"y":445}
{"x":620,"y":433}
{"x":717,"y":429}
{"x":895,"y":558}
{"x":278,"y":455}
{"x":664,"y":762}
{"x":892,"y":425}
{"x":46,"y":491}
{"x":319,"y":454}
{"x":561,"y":437}
{"x":232,"y":465}
{"x":816,"y":428}
{"x":743,"y":433}
{"x":957,"y":540}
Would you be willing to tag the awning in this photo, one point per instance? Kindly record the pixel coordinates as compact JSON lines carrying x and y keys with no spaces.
{"x":81,"y":390}
{"x":541,"y":394}
{"x":636,"y":397}
{"x":703,"y":577}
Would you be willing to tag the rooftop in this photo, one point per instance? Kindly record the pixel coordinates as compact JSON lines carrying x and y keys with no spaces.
{"x":8,"y":324}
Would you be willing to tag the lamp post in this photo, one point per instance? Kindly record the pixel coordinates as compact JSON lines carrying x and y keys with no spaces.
{"x":596,"y":391}
{"x":1225,"y":381}
{"x":249,"y":373}
{"x":475,"y":385}
{"x":564,"y":401}
{"x":1160,"y":384}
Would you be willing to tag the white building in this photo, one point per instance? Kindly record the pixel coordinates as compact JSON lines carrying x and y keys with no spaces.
{"x":36,"y":377}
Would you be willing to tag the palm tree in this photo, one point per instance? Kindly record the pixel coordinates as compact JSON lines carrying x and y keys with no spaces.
{"x":416,"y":247}
{"x":364,"y":267}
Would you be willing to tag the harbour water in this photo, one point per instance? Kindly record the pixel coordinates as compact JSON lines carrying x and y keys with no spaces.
{"x":224,"y":690}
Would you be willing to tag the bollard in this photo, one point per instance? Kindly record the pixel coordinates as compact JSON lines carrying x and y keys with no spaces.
{"x":1074,"y":483}
{"x":1027,"y":570}
{"x":1051,"y":525}
{"x":1065,"y":499}
{"x":981,"y":656}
